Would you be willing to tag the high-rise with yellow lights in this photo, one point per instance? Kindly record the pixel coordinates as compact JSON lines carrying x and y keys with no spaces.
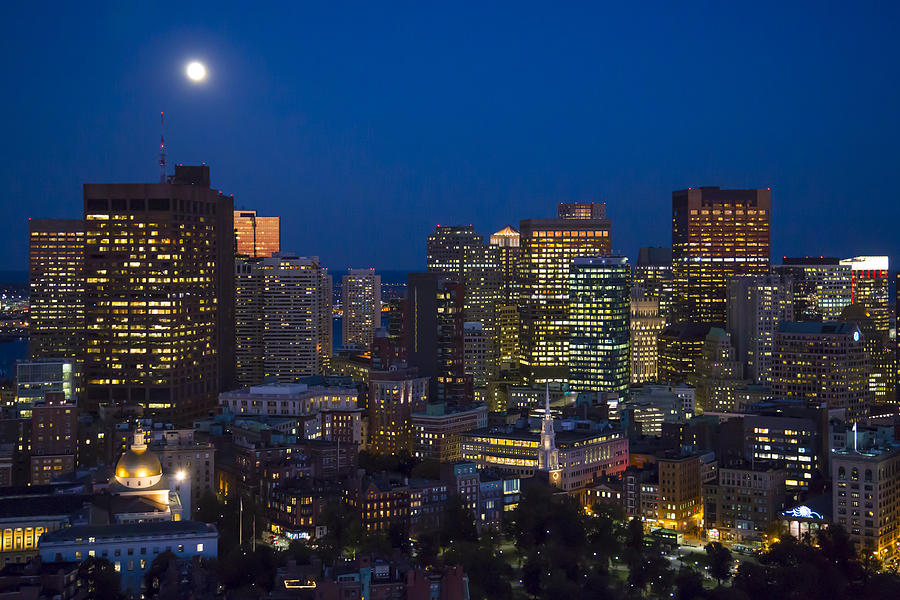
{"x":159,"y":294}
{"x":56,"y":277}
{"x":646,"y":325}
{"x":506,"y":241}
{"x":283,"y":325}
{"x":549,"y":246}
{"x":361,"y":301}
{"x":255,"y":236}
{"x":599,"y":314}
{"x":716,"y":235}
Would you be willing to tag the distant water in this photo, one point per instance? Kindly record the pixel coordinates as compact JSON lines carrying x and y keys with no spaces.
{"x":10,"y":352}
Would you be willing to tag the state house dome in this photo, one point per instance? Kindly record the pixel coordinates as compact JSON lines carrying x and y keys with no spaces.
{"x":138,"y":467}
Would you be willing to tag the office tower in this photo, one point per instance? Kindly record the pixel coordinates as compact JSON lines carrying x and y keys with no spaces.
{"x":283,"y":328}
{"x":507,"y":242}
{"x":40,"y":376}
{"x":653,"y":272}
{"x":249,"y":327}
{"x":791,"y":439}
{"x":548,"y":248}
{"x":435,"y":325}
{"x":54,"y":437}
{"x":460,"y":252}
{"x":397,"y":333}
{"x":678,"y":348}
{"x":882,"y":370}
{"x":822,"y":364}
{"x":757,"y":305}
{"x":866,"y":498}
{"x":361,"y":301}
{"x":646,"y":325}
{"x":869,"y":290}
{"x":869,"y":287}
{"x":581,"y":210}
{"x":821,"y":286}
{"x":717,"y":373}
{"x":599,"y":313}
{"x":508,"y":324}
{"x":475,"y":353}
{"x":159,"y":317}
{"x":393,"y":397}
{"x":716,"y":235}
{"x":255,"y":236}
{"x":56,"y":281}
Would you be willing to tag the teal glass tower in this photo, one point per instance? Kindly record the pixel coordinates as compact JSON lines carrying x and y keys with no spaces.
{"x":599,"y":317}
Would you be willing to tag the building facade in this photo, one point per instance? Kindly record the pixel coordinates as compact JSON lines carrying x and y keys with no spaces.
{"x":822,"y":364}
{"x":821,"y":286}
{"x":548,"y":248}
{"x":361,"y":302}
{"x":645,"y":327}
{"x":437,"y":430}
{"x":716,"y":235}
{"x":56,"y":288}
{"x":599,"y":324}
{"x":284,"y":317}
{"x":255,"y":236}
{"x":757,"y":306}
{"x":159,"y":294}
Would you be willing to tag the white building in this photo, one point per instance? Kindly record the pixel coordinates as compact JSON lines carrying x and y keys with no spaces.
{"x":361,"y":302}
{"x":131,"y":548}
{"x":288,"y":399}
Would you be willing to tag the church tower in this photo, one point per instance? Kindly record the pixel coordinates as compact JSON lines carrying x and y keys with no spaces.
{"x":548,"y":455}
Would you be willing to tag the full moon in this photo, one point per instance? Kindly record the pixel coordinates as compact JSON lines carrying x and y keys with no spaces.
{"x":196,"y":71}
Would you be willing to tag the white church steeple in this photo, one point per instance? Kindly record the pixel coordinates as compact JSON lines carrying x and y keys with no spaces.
{"x":548,"y":455}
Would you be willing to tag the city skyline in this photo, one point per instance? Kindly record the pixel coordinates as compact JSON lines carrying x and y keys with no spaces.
{"x":486,"y":129}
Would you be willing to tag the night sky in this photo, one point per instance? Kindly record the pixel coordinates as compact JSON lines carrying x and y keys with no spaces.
{"x":364,"y":126}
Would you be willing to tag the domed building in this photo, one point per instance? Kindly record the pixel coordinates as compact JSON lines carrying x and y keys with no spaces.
{"x":139,"y":491}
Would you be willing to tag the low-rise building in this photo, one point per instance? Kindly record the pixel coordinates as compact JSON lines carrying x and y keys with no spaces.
{"x":583,"y":455}
{"x":130,"y":547}
{"x":866,"y":501}
{"x":744,"y":502}
{"x":437,"y":430}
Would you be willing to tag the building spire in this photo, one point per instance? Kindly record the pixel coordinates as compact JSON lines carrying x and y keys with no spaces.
{"x":548,"y":456}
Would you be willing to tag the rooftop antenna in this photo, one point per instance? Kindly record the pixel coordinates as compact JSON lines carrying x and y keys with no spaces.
{"x":162,"y":148}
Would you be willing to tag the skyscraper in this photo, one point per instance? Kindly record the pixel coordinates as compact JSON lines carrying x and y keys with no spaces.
{"x":159,"y":272}
{"x":716,"y":235}
{"x":757,"y":306}
{"x":646,"y":325}
{"x":821,"y":286}
{"x":507,"y":312}
{"x":548,"y":248}
{"x":284,"y":308}
{"x":507,"y":242}
{"x":361,"y":300}
{"x":458,"y":251}
{"x":599,"y":290}
{"x":653,"y":273}
{"x":255,"y":236}
{"x":436,"y":329}
{"x":869,"y":285}
{"x":56,"y":281}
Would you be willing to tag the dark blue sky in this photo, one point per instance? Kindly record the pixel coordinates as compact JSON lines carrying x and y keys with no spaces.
{"x":364,"y":126}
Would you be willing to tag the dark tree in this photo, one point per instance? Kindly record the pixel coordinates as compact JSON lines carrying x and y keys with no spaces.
{"x":719,"y":559}
{"x":99,"y":580}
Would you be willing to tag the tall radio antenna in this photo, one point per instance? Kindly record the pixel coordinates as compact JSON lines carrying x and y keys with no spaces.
{"x":162,"y":148}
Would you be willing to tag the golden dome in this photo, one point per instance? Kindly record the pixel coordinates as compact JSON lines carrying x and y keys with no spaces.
{"x":138,"y":463}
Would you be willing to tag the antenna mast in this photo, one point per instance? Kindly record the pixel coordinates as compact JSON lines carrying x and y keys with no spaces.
{"x":162,"y":149}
